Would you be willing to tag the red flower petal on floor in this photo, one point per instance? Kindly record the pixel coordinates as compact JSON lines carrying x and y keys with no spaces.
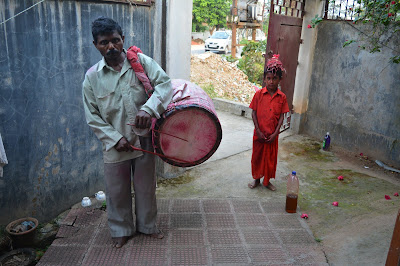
{"x":304,"y":216}
{"x":335,"y":203}
{"x":309,"y":26}
{"x":387,"y":197}
{"x":361,"y":154}
{"x":396,"y":194}
{"x":340,"y":178}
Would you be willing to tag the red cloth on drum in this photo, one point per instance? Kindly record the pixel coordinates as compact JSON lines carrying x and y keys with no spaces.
{"x":265,"y":155}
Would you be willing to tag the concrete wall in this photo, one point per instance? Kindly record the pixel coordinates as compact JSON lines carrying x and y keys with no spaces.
{"x":179,"y":29}
{"x":201,"y":35}
{"x":354,"y":94}
{"x":305,"y":59}
{"x":54,"y":158}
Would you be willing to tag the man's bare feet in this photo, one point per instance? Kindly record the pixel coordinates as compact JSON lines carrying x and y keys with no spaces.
{"x":254,"y":184}
{"x":120,"y":241}
{"x":271,"y":187}
{"x":158,"y":235}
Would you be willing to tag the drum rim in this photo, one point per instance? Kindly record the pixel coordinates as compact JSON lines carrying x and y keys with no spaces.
{"x":177,"y":110}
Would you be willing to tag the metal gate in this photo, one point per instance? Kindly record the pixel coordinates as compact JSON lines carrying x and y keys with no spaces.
{"x":284,"y":32}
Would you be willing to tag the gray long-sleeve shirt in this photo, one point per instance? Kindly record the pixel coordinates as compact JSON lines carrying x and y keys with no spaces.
{"x":112,"y":99}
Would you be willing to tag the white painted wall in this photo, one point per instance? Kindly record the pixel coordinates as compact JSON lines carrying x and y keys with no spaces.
{"x":305,"y":59}
{"x":179,"y":30}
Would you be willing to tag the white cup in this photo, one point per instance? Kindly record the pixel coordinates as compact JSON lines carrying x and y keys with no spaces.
{"x":86,"y":202}
{"x":100,"y":195}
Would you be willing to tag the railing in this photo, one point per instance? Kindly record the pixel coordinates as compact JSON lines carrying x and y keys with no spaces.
{"x":341,"y":9}
{"x":292,"y":8}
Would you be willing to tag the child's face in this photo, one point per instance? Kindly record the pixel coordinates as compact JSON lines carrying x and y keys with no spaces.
{"x":272,"y":81}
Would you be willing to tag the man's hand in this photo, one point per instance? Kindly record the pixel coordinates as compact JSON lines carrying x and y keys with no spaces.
{"x":123,"y":145}
{"x":142,"y":120}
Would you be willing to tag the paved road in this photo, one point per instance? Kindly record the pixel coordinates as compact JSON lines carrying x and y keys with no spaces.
{"x":199,"y":49}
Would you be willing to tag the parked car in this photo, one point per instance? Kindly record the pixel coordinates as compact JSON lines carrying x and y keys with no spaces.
{"x":220,"y":41}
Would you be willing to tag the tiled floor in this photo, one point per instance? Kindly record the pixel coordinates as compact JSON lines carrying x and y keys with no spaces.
{"x":197,"y":232}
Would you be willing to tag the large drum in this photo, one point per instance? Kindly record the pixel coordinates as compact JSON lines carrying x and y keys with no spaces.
{"x":188,"y":132}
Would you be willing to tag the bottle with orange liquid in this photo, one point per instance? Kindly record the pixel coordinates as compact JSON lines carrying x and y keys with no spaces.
{"x":292,"y":193}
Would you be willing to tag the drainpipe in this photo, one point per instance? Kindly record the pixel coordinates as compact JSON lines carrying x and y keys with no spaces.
{"x":164,"y":35}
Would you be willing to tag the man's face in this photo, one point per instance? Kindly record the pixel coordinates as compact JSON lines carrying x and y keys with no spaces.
{"x":272,"y":81}
{"x":110,"y":45}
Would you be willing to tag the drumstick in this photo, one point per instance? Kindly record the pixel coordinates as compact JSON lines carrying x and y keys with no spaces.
{"x":168,"y":157}
{"x":163,"y":133}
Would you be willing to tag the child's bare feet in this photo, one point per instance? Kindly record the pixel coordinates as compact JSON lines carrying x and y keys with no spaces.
{"x":271,"y":187}
{"x":254,"y":184}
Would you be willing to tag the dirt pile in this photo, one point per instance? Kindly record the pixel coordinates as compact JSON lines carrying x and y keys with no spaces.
{"x":211,"y":71}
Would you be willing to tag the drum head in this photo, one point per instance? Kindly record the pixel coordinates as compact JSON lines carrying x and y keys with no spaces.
{"x":187,"y":135}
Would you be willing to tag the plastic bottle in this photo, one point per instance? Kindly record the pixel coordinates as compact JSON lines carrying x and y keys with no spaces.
{"x":327,"y":142}
{"x":292,"y":193}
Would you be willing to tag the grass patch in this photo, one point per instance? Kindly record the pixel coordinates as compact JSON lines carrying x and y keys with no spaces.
{"x":210,"y":90}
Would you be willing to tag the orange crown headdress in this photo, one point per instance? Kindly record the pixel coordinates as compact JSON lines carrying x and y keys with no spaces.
{"x":274,"y":64}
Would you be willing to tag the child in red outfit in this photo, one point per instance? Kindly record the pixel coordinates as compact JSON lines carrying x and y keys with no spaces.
{"x":269,"y":105}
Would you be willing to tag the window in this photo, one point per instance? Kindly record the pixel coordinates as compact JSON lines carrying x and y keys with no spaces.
{"x":341,"y":9}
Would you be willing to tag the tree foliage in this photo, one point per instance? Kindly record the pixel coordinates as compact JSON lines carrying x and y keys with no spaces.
{"x":252,"y":61}
{"x":211,"y":12}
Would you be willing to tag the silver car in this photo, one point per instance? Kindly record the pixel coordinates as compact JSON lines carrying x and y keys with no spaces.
{"x":220,"y":41}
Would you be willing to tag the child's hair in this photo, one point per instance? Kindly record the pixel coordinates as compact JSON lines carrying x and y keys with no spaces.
{"x":275,"y":71}
{"x":104,"y":25}
{"x":274,"y":66}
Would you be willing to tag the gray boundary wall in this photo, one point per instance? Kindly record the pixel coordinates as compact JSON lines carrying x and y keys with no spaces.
{"x":355,"y":95}
{"x":54,"y":158}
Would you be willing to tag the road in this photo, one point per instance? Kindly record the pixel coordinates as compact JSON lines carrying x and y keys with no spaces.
{"x":199,"y":49}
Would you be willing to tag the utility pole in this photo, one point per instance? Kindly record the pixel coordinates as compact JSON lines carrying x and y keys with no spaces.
{"x":234,"y":17}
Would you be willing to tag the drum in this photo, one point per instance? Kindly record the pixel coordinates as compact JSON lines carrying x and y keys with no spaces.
{"x":189,"y":132}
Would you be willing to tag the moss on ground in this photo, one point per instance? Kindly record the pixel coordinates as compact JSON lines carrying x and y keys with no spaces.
{"x":358,"y":194}
{"x":311,"y":150}
{"x":183,"y":179}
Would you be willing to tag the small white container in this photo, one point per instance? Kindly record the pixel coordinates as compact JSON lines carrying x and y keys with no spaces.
{"x":100,"y":196}
{"x":86,"y":202}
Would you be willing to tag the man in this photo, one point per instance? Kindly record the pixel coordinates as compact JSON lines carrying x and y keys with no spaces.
{"x":113,"y":97}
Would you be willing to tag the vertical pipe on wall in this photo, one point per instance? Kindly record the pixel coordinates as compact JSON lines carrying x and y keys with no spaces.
{"x":164,"y":35}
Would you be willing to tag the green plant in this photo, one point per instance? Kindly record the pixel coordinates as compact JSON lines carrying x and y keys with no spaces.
{"x":252,"y":61}
{"x":231,"y":59}
{"x":210,"y":90}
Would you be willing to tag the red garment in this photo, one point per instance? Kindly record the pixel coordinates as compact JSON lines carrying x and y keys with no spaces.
{"x":268,"y":110}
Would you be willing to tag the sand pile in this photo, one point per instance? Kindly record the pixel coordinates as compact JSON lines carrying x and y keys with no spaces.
{"x":228,"y":81}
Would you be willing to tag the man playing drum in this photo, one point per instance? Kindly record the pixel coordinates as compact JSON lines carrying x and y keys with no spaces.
{"x":113,"y":97}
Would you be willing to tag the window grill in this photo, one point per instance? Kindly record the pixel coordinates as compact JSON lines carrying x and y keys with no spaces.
{"x":341,"y":9}
{"x":292,"y":8}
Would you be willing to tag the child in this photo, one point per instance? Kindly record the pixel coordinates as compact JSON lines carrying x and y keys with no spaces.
{"x":268,"y":104}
